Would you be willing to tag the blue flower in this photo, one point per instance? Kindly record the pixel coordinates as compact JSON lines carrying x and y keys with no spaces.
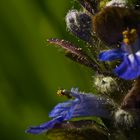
{"x":81,"y":105}
{"x":129,"y":54}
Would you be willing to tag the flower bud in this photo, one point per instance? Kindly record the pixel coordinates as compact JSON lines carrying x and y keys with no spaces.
{"x":80,"y":24}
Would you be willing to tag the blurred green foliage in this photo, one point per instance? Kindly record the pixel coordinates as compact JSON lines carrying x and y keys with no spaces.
{"x":30,"y":69}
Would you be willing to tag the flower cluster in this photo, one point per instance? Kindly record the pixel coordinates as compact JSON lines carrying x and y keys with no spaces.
{"x":115,"y":25}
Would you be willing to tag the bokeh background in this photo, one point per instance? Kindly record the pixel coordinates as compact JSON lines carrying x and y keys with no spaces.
{"x":31,"y":70}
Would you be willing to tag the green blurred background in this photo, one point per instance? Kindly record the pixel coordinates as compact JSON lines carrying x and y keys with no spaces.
{"x":31,"y":70}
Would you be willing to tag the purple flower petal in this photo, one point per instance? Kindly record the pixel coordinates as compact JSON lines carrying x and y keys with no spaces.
{"x":45,"y":126}
{"x":61,"y":109}
{"x":111,"y":55}
{"x":91,"y":105}
{"x":130,"y":67}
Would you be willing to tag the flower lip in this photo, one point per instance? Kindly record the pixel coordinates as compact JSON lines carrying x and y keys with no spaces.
{"x":45,"y":126}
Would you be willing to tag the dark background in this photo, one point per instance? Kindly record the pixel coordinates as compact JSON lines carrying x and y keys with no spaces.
{"x":31,"y":70}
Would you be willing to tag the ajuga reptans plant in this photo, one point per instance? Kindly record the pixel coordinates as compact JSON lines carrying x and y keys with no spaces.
{"x":111,"y":32}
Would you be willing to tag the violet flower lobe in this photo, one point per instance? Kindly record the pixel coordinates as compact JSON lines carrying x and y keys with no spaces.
{"x":83,"y":105}
{"x":128,"y":53}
